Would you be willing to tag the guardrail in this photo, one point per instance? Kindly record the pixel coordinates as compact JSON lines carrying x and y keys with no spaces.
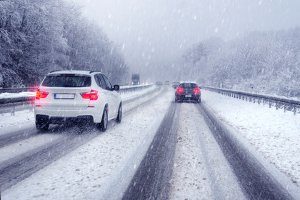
{"x":12,"y":104}
{"x":18,"y":99}
{"x":283,"y":103}
{"x":130,"y":88}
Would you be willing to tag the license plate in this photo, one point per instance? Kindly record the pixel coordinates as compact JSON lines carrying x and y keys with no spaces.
{"x":64,"y":96}
{"x":188,"y":96}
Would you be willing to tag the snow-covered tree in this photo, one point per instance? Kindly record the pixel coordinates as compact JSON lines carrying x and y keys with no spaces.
{"x":266,"y":62}
{"x":38,"y":36}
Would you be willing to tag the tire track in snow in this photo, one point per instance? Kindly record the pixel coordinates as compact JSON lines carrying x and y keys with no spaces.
{"x":151,"y":180}
{"x":200,"y":169}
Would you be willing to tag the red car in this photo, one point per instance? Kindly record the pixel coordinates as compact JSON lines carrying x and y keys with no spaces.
{"x":188,"y":92}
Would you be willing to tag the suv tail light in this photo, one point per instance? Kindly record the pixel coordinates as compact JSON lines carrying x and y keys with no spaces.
{"x":41,"y":94}
{"x":196,"y":90}
{"x":180,"y":90}
{"x":92,"y":95}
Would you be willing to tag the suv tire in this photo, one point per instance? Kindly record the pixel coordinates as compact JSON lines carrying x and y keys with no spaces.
{"x":104,"y":121}
{"x":41,"y":123}
{"x":120,"y":114}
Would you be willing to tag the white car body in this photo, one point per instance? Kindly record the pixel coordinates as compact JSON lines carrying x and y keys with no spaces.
{"x":68,"y":102}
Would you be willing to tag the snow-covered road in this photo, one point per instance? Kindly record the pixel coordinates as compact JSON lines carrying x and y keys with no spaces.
{"x":161,"y":150}
{"x":91,"y":170}
{"x":200,"y":168}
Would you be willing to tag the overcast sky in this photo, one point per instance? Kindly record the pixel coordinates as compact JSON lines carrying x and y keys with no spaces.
{"x":155,"y":32}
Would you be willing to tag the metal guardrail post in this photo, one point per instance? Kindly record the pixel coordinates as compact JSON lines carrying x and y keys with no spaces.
{"x":13,"y":111}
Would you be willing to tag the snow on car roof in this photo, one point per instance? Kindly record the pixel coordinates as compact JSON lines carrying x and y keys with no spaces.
{"x":182,"y":82}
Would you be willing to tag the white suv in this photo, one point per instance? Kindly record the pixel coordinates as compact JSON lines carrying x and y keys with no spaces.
{"x":77,"y":95}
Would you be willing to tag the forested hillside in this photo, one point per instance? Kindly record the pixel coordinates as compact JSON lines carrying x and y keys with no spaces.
{"x":266,"y":62}
{"x":38,"y":36}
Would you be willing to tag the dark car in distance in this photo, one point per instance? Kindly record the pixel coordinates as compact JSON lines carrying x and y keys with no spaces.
{"x":135,"y":78}
{"x":159,"y":83}
{"x":188,"y":92}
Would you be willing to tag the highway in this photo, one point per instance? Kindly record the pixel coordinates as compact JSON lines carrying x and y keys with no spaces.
{"x":162,"y":150}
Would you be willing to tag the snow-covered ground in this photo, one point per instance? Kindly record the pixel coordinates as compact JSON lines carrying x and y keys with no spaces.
{"x":21,"y":120}
{"x":25,"y":118}
{"x":200,"y":168}
{"x":16,"y":149}
{"x":101,"y":168}
{"x":275,"y":134}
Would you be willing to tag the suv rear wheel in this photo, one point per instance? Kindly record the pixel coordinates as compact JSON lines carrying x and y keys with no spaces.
{"x":41,"y":123}
{"x":104,"y":121}
{"x":120,"y":113}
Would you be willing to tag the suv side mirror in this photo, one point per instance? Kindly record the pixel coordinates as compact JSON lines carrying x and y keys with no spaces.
{"x":116,"y":87}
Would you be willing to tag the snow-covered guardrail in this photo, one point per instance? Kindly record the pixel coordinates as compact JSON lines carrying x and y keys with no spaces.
{"x":284,"y":103}
{"x":9,"y":96}
{"x":13,"y":99}
{"x":130,"y":88}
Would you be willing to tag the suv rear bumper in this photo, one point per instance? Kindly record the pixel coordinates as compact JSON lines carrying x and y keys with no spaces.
{"x":185,"y":98}
{"x":61,"y":120}
{"x":55,"y":116}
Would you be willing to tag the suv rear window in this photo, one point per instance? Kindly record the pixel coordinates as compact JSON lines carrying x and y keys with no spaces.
{"x":67,"y":80}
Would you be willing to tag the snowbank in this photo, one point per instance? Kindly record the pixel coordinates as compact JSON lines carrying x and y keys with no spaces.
{"x":274,"y":133}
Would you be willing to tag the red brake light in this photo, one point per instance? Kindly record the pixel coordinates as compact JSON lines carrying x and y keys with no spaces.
{"x":196,"y":90}
{"x":180,"y":90}
{"x":92,"y":95}
{"x":41,"y":94}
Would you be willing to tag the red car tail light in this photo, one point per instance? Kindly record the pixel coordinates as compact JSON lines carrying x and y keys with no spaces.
{"x":196,"y":90}
{"x":41,"y":94}
{"x":180,"y":90}
{"x":92,"y":95}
